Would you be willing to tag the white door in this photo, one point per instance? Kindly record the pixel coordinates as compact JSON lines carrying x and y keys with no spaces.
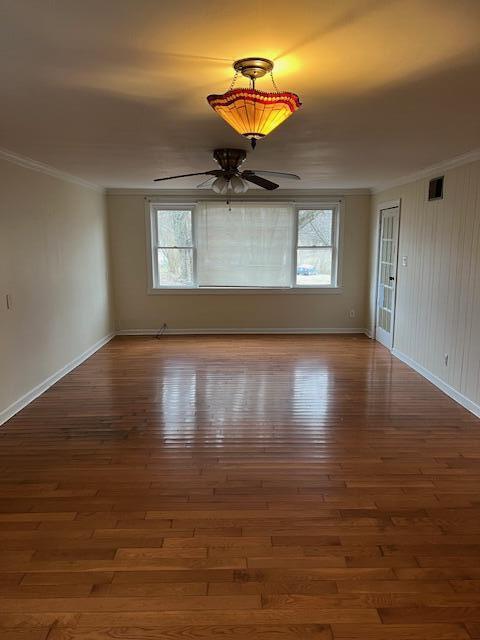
{"x":387,"y":275}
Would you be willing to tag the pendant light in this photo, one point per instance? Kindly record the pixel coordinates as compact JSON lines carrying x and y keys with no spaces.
{"x":252,"y":113}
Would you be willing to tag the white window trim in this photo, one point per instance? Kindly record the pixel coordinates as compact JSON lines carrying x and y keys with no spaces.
{"x":153,"y":247}
{"x":294,"y":289}
{"x":335,"y":246}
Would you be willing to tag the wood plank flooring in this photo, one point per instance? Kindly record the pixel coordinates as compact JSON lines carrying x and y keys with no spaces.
{"x":257,"y":487}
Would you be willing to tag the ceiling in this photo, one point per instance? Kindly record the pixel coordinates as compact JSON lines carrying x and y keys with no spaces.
{"x":113,"y":91}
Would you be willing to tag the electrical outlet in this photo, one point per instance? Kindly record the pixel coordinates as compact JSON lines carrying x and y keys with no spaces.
{"x":352,"y":313}
{"x":404,"y":261}
{"x":445,"y":358}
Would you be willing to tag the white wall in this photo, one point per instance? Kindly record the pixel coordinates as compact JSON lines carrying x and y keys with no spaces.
{"x":438,"y":293}
{"x":54,"y":264}
{"x":136,"y":310}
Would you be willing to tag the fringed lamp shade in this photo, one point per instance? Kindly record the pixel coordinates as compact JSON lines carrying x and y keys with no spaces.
{"x":252,"y":113}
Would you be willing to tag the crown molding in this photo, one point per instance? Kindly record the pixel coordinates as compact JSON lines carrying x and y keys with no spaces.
{"x":41,"y":167}
{"x":252,"y":194}
{"x":428,"y":172}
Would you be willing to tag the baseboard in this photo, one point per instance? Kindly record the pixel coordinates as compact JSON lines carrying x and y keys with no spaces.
{"x":231,"y":331}
{"x":28,"y":397}
{"x":438,"y":382}
{"x":22,"y":402}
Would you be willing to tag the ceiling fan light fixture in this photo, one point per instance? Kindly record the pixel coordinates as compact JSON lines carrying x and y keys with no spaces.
{"x":228,"y":178}
{"x":252,"y":113}
{"x":235,"y":184}
{"x":220,"y":185}
{"x":238,"y":185}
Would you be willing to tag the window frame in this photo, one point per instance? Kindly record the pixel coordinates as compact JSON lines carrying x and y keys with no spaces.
{"x":154,"y":246}
{"x":336,"y":287}
{"x":152,"y":243}
{"x":334,"y":246}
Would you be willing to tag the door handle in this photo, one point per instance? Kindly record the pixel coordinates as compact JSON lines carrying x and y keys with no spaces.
{"x":391,"y":278}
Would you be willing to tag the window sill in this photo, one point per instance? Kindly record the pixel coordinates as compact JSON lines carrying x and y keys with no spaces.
{"x":246,"y":291}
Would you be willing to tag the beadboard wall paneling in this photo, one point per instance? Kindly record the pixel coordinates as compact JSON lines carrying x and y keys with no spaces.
{"x":438,"y":292}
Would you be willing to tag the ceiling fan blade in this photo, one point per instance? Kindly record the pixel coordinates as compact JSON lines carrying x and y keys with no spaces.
{"x":274,"y":174}
{"x":206,"y":183}
{"x":261,"y":182}
{"x":187,"y":175}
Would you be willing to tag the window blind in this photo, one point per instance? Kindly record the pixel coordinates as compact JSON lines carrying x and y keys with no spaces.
{"x":244,"y":245}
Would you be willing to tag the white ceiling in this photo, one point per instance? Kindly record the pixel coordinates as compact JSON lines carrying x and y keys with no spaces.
{"x":113,"y":91}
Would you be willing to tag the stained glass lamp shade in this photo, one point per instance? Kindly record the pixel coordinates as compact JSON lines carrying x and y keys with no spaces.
{"x":252,"y":113}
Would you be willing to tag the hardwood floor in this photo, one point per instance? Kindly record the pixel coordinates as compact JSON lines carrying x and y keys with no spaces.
{"x":257,"y":487}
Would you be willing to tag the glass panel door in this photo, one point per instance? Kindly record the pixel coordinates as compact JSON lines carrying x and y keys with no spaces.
{"x":387,"y":275}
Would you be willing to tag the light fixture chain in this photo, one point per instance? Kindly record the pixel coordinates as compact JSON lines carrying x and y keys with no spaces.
{"x":232,"y":84}
{"x":274,"y":83}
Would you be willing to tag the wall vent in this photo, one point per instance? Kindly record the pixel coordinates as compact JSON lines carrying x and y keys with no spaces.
{"x":435,"y":189}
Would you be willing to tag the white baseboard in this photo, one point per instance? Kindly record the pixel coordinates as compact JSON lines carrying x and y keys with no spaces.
{"x":229,"y":331}
{"x":438,"y":382}
{"x":28,"y":397}
{"x":22,"y":402}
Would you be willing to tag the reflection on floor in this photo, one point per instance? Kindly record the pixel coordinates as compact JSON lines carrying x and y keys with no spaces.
{"x":257,"y":487}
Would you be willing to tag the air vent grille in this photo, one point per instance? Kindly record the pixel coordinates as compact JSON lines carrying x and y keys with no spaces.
{"x":435,"y":189}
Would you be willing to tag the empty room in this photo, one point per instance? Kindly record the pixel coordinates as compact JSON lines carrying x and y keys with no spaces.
{"x":239,"y":320}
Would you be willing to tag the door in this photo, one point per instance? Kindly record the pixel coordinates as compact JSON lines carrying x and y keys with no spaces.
{"x":387,"y":275}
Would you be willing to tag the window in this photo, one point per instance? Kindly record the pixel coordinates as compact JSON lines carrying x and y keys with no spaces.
{"x":173,"y":248}
{"x":315,"y":245}
{"x":213,"y":245}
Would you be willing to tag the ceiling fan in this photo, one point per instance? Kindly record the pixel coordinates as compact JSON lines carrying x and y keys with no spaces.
{"x":229,"y":179}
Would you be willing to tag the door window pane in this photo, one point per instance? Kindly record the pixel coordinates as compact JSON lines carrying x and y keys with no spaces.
{"x":384,"y":320}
